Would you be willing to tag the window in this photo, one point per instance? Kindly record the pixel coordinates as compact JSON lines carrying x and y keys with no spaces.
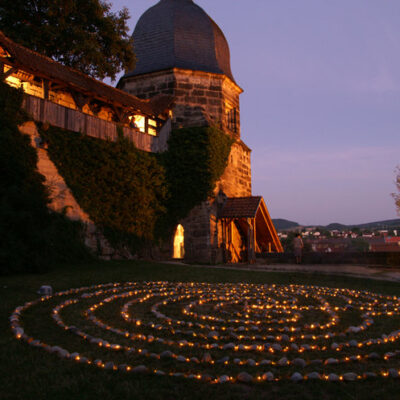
{"x":140,"y":122}
{"x":232,"y":120}
{"x":144,"y":124}
{"x":151,"y":127}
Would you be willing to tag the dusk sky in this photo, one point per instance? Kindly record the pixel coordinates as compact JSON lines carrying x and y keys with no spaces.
{"x":321,"y":102}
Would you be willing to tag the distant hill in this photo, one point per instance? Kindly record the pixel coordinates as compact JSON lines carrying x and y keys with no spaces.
{"x":336,"y":227}
{"x":284,"y":224}
{"x":388,"y":224}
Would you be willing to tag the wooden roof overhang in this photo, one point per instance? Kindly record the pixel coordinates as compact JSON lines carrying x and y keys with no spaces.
{"x":254,"y":208}
{"x":19,"y":58}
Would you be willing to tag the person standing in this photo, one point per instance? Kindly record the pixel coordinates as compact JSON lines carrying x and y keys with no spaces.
{"x":298,"y":247}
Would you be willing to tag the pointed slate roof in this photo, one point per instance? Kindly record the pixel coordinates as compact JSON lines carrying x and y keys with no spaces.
{"x":179,"y":34}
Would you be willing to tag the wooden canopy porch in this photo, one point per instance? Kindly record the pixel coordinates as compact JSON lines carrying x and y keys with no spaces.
{"x":247,"y":229}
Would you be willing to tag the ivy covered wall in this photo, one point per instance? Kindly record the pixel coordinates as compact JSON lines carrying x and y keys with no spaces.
{"x":137,"y":197}
{"x":195,"y":160}
{"x":122,"y":189}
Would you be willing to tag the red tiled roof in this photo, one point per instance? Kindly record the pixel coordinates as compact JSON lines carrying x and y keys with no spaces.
{"x":240,"y":207}
{"x":392,"y":239}
{"x":387,"y":247}
{"x":45,"y":67}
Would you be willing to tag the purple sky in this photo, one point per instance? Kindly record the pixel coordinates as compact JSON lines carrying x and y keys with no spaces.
{"x":321,"y":102}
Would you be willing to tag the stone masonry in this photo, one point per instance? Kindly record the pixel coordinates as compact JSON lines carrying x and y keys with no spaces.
{"x":63,"y":201}
{"x":202,"y":99}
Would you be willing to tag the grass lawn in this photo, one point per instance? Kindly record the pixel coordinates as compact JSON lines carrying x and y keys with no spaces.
{"x":31,"y":373}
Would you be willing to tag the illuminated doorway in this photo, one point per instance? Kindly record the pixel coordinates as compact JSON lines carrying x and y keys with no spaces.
{"x":179,"y":243}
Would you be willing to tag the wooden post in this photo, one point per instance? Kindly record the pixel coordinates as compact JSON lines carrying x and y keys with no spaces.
{"x":250,"y":241}
{"x":255,"y":236}
{"x":45,"y":89}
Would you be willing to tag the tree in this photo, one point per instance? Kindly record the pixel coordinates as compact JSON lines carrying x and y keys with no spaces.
{"x":397,"y":195}
{"x":84,"y":35}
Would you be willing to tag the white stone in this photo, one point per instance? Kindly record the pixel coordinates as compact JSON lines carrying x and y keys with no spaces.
{"x":299,"y":362}
{"x":141,"y":369}
{"x":314,"y":375}
{"x":350,"y":376}
{"x":277,"y":347}
{"x":296,"y":377}
{"x":393,"y":373}
{"x":330,"y":361}
{"x":335,"y":346}
{"x":213,"y":335}
{"x":108,"y":365}
{"x":333,"y":378}
{"x":268,"y":376}
{"x":283,"y":361}
{"x":244,"y":377}
{"x":166,"y":354}
{"x":223,"y":379}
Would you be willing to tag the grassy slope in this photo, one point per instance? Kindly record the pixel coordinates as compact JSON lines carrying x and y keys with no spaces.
{"x":28,"y":373}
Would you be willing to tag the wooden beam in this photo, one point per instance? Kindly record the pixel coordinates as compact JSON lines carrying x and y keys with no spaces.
{"x":122,"y":116}
{"x":58,"y":86}
{"x":79,"y":99}
{"x":271,"y":228}
{"x":255,"y":234}
{"x":11,"y":71}
{"x":94,"y":107}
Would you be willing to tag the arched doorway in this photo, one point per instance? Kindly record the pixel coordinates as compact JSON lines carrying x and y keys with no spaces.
{"x":179,"y":243}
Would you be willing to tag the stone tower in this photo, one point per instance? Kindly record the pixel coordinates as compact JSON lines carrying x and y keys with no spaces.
{"x":182,"y":52}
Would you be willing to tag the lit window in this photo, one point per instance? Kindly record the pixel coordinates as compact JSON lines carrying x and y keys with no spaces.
{"x":152,"y":127}
{"x":140,"y":122}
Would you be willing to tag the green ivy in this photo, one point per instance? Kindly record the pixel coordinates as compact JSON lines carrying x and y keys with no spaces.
{"x":195,"y":160}
{"x":137,"y":197}
{"x":33,"y":238}
{"x":121,"y":188}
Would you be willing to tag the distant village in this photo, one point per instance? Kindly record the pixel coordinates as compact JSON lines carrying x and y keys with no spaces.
{"x":351,"y":239}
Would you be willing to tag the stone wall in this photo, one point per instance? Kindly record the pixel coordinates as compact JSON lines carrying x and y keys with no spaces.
{"x":236,"y":180}
{"x":63,"y":201}
{"x":197,"y":234}
{"x":202,"y":99}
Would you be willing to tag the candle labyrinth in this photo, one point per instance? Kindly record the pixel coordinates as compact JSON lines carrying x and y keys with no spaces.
{"x":219,"y":333}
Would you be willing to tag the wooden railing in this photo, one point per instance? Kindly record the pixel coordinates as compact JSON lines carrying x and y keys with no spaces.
{"x":74,"y":120}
